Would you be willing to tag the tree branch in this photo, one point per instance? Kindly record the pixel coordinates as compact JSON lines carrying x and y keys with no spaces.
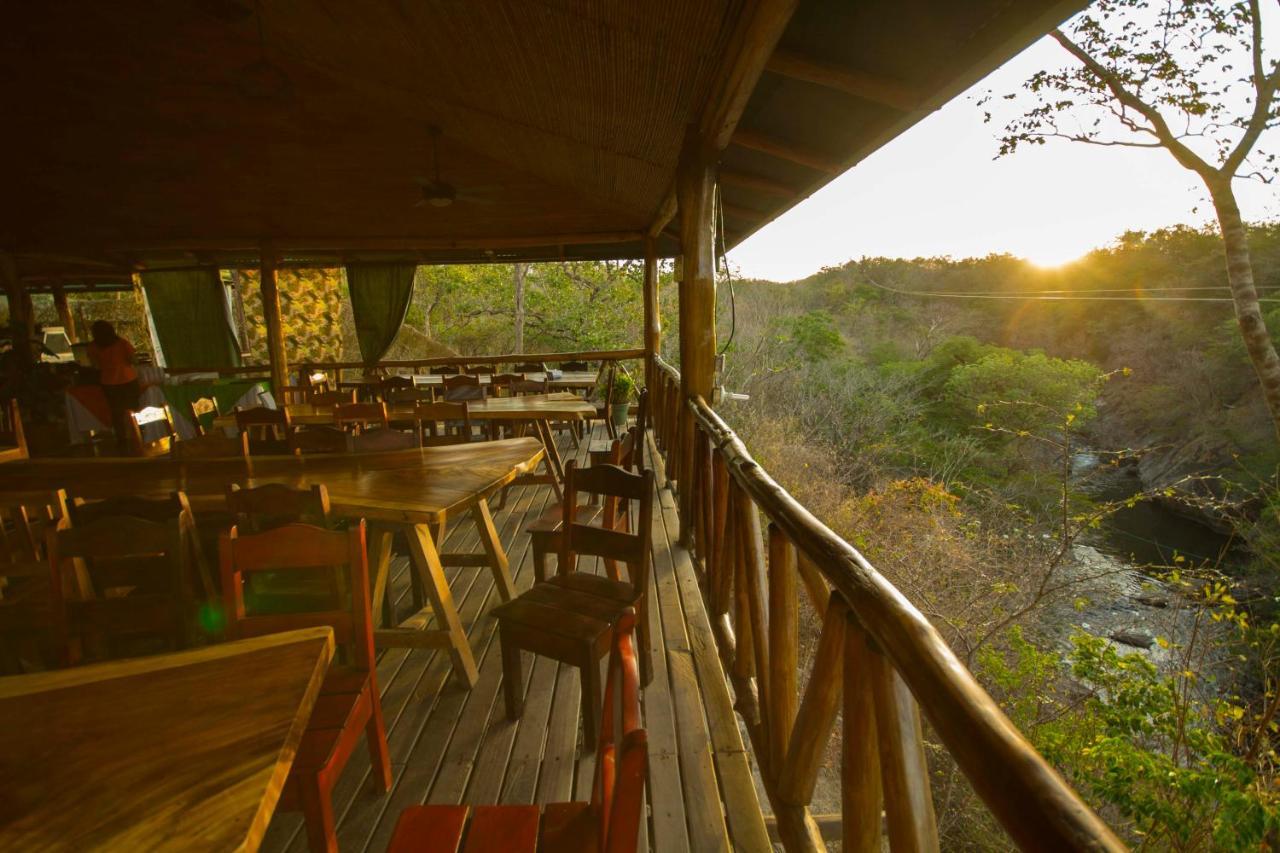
{"x":1264,"y":92}
{"x":1184,"y":155}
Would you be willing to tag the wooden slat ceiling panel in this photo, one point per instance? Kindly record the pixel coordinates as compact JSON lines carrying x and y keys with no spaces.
{"x":559,"y":117}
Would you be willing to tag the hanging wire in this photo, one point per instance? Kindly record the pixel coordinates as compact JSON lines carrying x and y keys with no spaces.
{"x":733,"y":301}
{"x":1034,"y":297}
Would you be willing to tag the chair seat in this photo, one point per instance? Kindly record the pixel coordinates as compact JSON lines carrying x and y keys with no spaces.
{"x":597,"y":585}
{"x":546,"y":610}
{"x":570,"y":828}
{"x":439,"y":829}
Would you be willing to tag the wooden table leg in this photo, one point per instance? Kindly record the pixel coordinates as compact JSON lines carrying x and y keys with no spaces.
{"x":426,"y":562}
{"x":493,"y":549}
{"x":380,"y":557}
{"x":555,"y":464}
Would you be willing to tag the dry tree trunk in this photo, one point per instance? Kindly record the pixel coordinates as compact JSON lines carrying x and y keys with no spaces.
{"x":1253,"y":328}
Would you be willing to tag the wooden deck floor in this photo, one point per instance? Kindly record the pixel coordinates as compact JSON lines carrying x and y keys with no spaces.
{"x":454,"y":746}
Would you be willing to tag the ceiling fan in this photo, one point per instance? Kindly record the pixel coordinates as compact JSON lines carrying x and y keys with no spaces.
{"x":438,"y":193}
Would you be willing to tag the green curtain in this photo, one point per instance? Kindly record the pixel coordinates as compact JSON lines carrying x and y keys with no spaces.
{"x":380,"y":296}
{"x":190,"y":313}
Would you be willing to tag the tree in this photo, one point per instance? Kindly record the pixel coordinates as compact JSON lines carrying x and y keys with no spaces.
{"x":1188,"y":76}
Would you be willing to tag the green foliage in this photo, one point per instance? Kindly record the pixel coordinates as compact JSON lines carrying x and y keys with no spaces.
{"x":1025,"y":393}
{"x":813,"y":336}
{"x":624,"y":387}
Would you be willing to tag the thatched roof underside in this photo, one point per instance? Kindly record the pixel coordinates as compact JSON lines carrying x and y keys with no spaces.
{"x":150,"y":134}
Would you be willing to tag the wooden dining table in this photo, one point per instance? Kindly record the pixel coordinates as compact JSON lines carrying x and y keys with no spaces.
{"x":185,"y":751}
{"x":417,"y":491}
{"x":540,"y":410}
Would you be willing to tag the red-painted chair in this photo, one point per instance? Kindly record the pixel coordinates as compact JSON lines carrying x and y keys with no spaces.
{"x":349,"y":704}
{"x":610,"y":823}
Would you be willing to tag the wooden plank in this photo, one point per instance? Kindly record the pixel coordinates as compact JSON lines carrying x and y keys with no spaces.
{"x":784,"y":638}
{"x":817,"y":714}
{"x":904,"y":773}
{"x":860,"y":793}
{"x":860,"y":84}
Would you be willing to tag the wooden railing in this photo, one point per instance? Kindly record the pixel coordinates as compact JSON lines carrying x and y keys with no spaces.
{"x":416,"y":363}
{"x":878,"y":660}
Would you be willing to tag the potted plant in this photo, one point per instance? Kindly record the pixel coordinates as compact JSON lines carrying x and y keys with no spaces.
{"x":624,"y":388}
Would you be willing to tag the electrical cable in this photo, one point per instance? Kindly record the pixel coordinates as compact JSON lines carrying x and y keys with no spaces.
{"x":733,"y":301}
{"x":1050,"y":298}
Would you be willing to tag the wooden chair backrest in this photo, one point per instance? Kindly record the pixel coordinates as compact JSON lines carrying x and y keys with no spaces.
{"x":609,"y":481}
{"x":463,"y":387}
{"x":135,"y":423}
{"x":427,"y":415}
{"x":200,"y":407}
{"x":359,"y":415}
{"x":401,"y":396}
{"x":12,"y":433}
{"x":375,"y":440}
{"x":641,"y":426}
{"x":478,"y":369}
{"x":264,"y":420}
{"x":300,"y":547}
{"x":530,"y":367}
{"x":213,"y":445}
{"x":333,"y":398}
{"x":318,"y":439}
{"x":617,"y":792}
{"x":25,"y":517}
{"x":273,"y":505}
{"x":446,"y":369}
{"x":575,"y":366}
{"x":292,"y":395}
{"x":393,"y":384}
{"x":502,"y":383}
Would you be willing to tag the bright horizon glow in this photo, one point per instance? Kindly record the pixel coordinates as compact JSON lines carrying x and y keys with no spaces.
{"x":936,"y":190}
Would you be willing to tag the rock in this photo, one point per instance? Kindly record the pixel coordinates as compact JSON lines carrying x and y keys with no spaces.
{"x":1152,"y":599}
{"x":1135,"y":637}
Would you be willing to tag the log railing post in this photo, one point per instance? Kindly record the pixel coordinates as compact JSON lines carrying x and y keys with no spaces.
{"x":904,"y":772}
{"x":652,"y":315}
{"x":817,"y":712}
{"x":783,"y":641}
{"x":64,"y":312}
{"x":860,"y":797}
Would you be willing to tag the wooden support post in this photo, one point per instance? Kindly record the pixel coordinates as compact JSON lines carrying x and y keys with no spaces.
{"x":64,"y":312}
{"x":652,"y":315}
{"x":275,"y":328}
{"x":21,"y":322}
{"x":817,"y":712}
{"x":904,"y":773}
{"x":694,"y":184}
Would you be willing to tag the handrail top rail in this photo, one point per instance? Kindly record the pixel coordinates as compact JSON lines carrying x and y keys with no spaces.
{"x":506,"y":358}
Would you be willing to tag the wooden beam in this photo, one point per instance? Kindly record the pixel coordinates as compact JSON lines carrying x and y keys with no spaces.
{"x":275,"y":327}
{"x":759,"y":183}
{"x":285,"y":245}
{"x":860,"y":84}
{"x":785,"y":151}
{"x":652,"y":313}
{"x":737,"y":211}
{"x":695,"y":183}
{"x":750,"y":46}
{"x":64,"y":311}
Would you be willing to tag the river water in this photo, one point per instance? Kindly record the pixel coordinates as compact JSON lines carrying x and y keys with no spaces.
{"x":1149,"y":533}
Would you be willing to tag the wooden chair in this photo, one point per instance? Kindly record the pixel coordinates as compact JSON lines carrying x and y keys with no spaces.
{"x":213,"y":445}
{"x":264,"y":425}
{"x":357,"y":417}
{"x":147,"y":419}
{"x":27,"y":628}
{"x":318,"y":439}
{"x":197,"y":409}
{"x":334,"y":398}
{"x":462,"y":387}
{"x":13,"y":438}
{"x":392,"y":384}
{"x":274,"y":505}
{"x":416,"y":394}
{"x":530,"y":367}
{"x":609,"y":823}
{"x":481,"y":369}
{"x":427,"y":416}
{"x":598,"y":451}
{"x":445,"y":369}
{"x":575,"y":366}
{"x":146,"y":560}
{"x":544,"y":533}
{"x":501,"y":384}
{"x":570,"y":617}
{"x":349,"y":704}
{"x":293,"y":395}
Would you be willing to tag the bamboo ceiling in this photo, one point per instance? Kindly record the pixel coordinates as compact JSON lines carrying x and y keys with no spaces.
{"x":150,"y":133}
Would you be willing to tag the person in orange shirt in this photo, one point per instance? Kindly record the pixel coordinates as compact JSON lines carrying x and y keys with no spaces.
{"x":113,"y":356}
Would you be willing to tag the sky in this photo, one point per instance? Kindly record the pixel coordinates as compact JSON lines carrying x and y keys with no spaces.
{"x":936,"y":190}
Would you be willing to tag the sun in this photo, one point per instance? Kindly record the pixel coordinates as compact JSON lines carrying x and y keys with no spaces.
{"x":1052,"y":257}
